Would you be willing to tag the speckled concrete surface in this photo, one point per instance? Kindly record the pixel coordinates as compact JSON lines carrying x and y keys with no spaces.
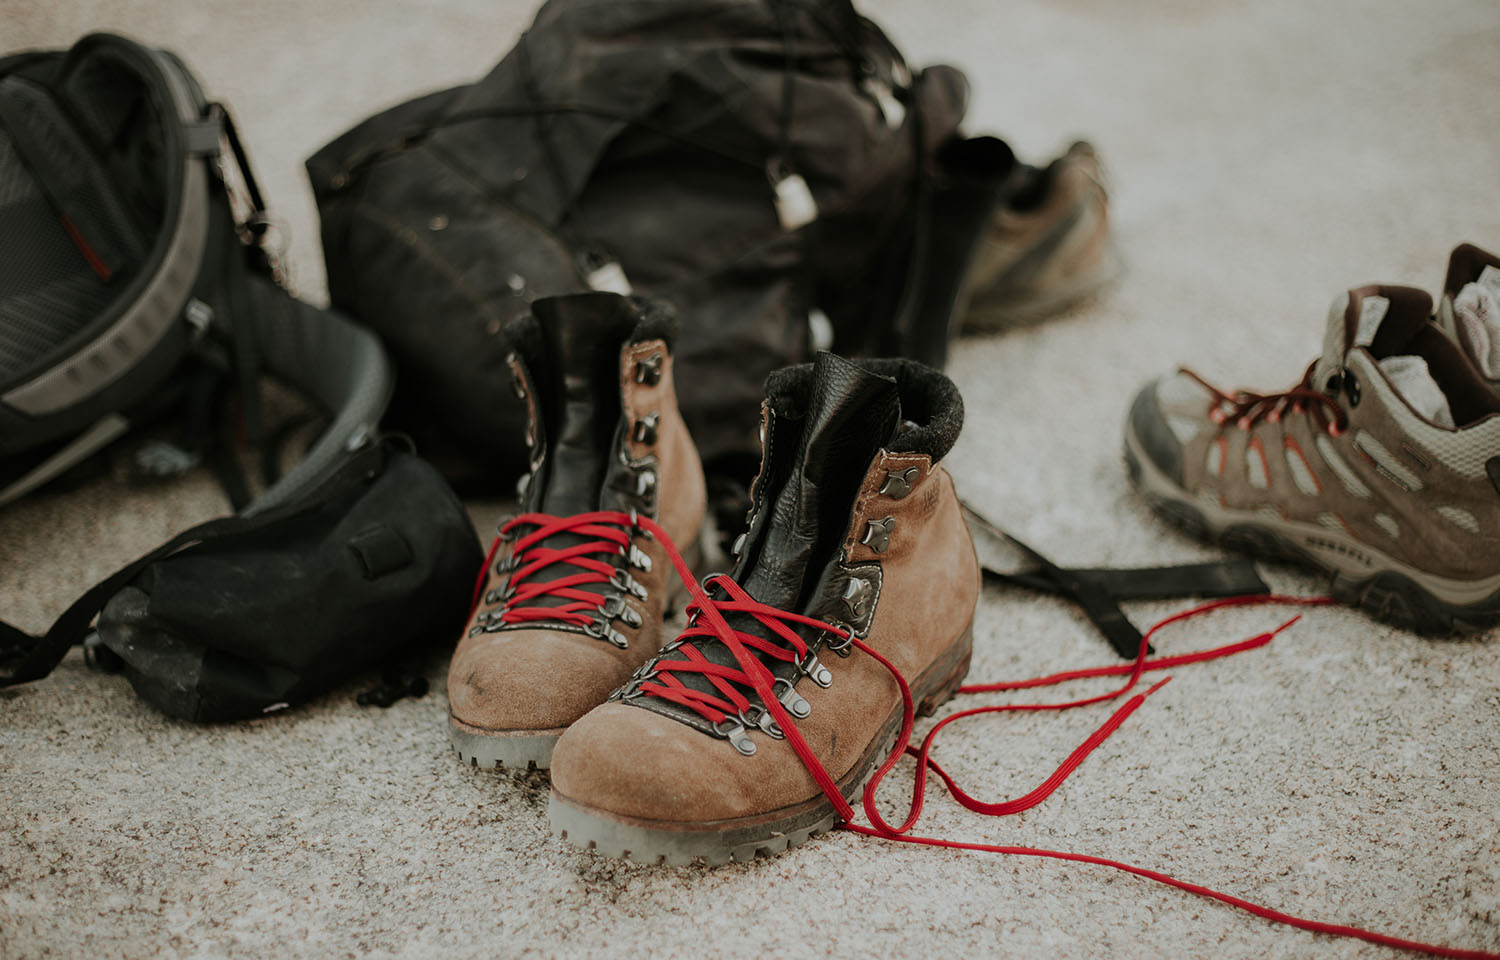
{"x":1265,"y":155}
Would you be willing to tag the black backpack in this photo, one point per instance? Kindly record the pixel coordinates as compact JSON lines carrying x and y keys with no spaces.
{"x":755,"y":163}
{"x":132,"y":289}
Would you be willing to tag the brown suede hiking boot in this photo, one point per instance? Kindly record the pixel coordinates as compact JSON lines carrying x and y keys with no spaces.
{"x":719,"y":749}
{"x":1047,"y":248}
{"x":572,"y":598}
{"x":1382,"y":466}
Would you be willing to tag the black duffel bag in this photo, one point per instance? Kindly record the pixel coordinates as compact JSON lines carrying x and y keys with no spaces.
{"x":247,"y":615}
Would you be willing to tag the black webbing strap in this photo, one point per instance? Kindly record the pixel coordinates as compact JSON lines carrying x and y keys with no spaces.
{"x":1098,"y":591}
{"x":24,"y":657}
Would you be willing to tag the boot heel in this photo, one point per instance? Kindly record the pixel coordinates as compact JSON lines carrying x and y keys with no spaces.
{"x":962,"y":653}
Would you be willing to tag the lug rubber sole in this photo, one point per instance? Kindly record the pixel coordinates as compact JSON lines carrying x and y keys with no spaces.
{"x":487,"y":750}
{"x":743,"y":838}
{"x":1360,"y":575}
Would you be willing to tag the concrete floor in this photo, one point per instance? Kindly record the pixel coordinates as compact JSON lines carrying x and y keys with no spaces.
{"x":1266,"y":155}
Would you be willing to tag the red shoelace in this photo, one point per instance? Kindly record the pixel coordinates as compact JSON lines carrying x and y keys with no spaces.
{"x":710,"y":623}
{"x":731,"y":704}
{"x":1248,"y":407}
{"x":531,"y":555}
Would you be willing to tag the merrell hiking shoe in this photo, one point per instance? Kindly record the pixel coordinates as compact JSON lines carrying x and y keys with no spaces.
{"x":1046,"y":249}
{"x":572,"y":597}
{"x":1382,"y":466}
{"x":1469,"y":311}
{"x":723,"y":747}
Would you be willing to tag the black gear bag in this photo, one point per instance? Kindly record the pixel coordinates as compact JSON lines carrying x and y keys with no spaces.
{"x":250,"y":614}
{"x":130,"y":289}
{"x":767,"y":166}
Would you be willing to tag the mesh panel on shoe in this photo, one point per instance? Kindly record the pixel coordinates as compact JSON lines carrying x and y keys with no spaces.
{"x":1302,"y":474}
{"x":1459,"y":517}
{"x":1255,"y":467}
{"x":1463,"y":451}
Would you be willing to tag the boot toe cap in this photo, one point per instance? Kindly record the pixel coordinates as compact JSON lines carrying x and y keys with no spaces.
{"x":632,"y":762}
{"x":531,"y":679}
{"x":1165,"y":417}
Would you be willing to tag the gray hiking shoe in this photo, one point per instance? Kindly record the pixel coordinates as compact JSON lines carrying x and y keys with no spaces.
{"x":1382,"y":466}
{"x":1046,"y":249}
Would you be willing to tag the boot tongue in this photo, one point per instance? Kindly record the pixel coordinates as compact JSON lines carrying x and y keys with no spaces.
{"x":847,"y":415}
{"x":580,"y":399}
{"x":1381,"y":319}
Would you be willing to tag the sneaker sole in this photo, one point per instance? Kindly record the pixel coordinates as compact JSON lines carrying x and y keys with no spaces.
{"x":742,"y":838}
{"x":1361,"y":576}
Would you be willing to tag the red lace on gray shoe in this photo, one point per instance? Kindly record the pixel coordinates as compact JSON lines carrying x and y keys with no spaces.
{"x":1246,"y":407}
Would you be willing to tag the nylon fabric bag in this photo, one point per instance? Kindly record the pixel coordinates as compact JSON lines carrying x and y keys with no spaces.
{"x":752,"y":162}
{"x":247,"y":615}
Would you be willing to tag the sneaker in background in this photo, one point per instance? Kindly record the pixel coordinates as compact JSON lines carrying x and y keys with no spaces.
{"x":1046,"y":249}
{"x":1382,"y":466}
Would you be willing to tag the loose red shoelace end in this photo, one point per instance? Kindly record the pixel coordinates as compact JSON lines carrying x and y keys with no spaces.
{"x":759,"y":680}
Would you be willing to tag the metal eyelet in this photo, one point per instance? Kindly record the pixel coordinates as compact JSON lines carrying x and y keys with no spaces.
{"x":601,"y":630}
{"x":645,"y":483}
{"x":615,"y":608}
{"x":648,"y":371}
{"x":858,"y":593}
{"x":846,"y":647}
{"x":898,"y":483}
{"x":624,"y":581}
{"x":761,"y":719}
{"x":734,"y":731}
{"x":637,"y":558}
{"x":878,"y":534}
{"x":812,"y":668}
{"x":793,"y":701}
{"x":646,"y":428}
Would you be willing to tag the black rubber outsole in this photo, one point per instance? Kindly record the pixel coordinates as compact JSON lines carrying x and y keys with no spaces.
{"x":1388,"y":596}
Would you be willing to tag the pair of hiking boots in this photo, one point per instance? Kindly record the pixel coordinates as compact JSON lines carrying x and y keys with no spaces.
{"x":772,"y":708}
{"x":1381,"y":466}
